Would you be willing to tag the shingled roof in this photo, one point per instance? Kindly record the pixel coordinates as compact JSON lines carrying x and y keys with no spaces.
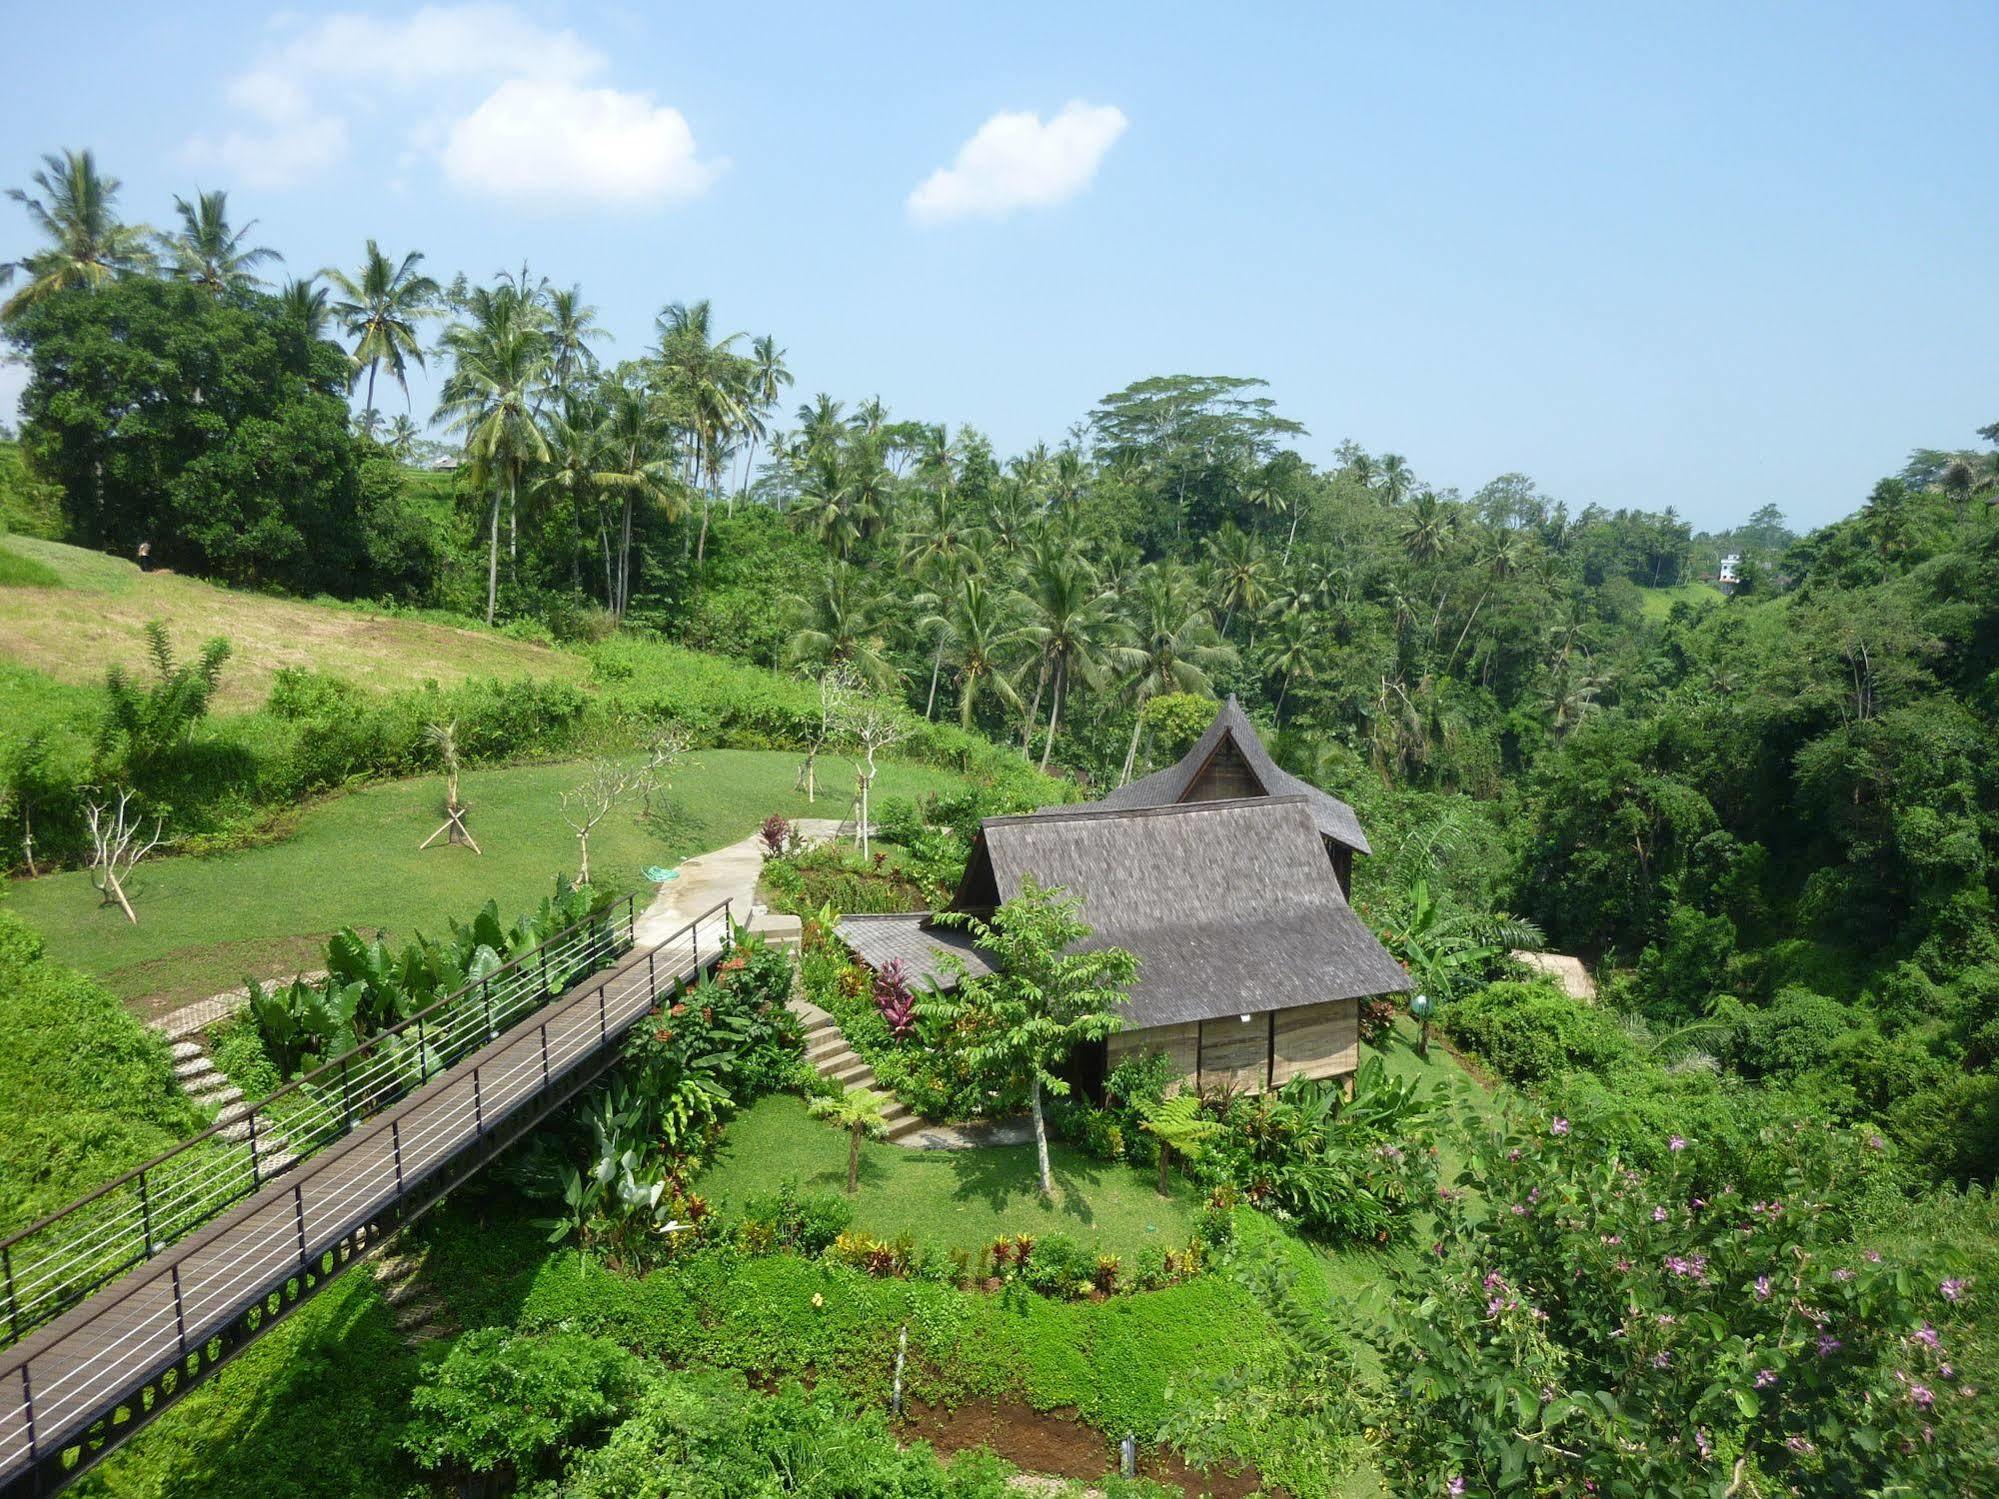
{"x":1231,"y":906}
{"x":1335,"y":819}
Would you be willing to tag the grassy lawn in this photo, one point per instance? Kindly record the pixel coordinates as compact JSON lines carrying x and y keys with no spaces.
{"x":958,"y":1199}
{"x":98,"y":613}
{"x":205,"y":924}
{"x":1659,"y":601}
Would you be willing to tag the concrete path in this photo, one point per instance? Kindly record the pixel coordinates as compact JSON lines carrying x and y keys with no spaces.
{"x":727,"y":873}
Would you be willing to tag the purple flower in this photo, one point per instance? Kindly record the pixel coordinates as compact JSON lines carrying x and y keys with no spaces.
{"x":1953,"y":1290}
{"x":1799,"y":1445}
{"x":1920,"y":1393}
{"x":1676,"y":1143}
{"x":1842,"y":1274}
{"x":1661,"y":1359}
{"x":1762,"y":1288}
{"x":1559,"y":1127}
{"x":1765,"y":1378}
{"x":1701,"y":1441}
{"x":1872,"y":1256}
{"x":1829,"y":1345}
{"x":1875,"y":1142}
{"x":1519,"y":1211}
{"x":1927,"y":1336}
{"x":1455,"y":1487}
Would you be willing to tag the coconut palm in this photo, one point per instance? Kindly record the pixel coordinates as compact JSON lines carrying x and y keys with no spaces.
{"x":705,"y":383}
{"x":572,"y":328}
{"x":1428,"y":528}
{"x":381,"y":309}
{"x":859,"y":1113}
{"x":500,"y":364}
{"x":1291,"y":655}
{"x":87,"y":246}
{"x":768,"y":378}
{"x":979,"y":632}
{"x":304,"y":302}
{"x":208,"y":252}
{"x":401,"y":441}
{"x":825,"y":501}
{"x":638,"y":462}
{"x":1174,"y":646}
{"x":840,"y":627}
{"x":1241,"y":573}
{"x":819,"y":422}
{"x":1072,"y":622}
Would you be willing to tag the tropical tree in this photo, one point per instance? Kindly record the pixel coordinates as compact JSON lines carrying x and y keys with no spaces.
{"x":841,"y":626}
{"x":500,"y":363}
{"x":208,"y":252}
{"x":305,"y":303}
{"x":636,"y":445}
{"x":768,"y":378}
{"x":88,"y":245}
{"x":402,"y":437}
{"x":1072,"y":622}
{"x":1241,"y":574}
{"x":1176,"y":1123}
{"x":1173,"y":646}
{"x":1017,"y":1027}
{"x":979,"y":631}
{"x":706,"y":386}
{"x":859,"y":1113}
{"x":381,"y":309}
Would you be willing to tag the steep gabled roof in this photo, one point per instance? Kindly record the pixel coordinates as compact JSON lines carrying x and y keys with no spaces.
{"x":1334,"y":817}
{"x":1230,"y":906}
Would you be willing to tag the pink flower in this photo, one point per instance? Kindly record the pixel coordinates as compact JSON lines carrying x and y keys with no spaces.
{"x":1953,"y":1290}
{"x":1765,"y":1378}
{"x":1559,"y":1127}
{"x":1920,"y":1393}
{"x":1762,"y":1288}
{"x":1661,"y":1359}
{"x":1455,"y":1487}
{"x":1927,"y":1336}
{"x":1676,"y":1143}
{"x":1658,"y":1215}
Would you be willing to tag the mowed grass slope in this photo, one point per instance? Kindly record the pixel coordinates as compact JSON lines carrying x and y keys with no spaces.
{"x":207,"y":923}
{"x":72,"y":612}
{"x":955,"y":1199}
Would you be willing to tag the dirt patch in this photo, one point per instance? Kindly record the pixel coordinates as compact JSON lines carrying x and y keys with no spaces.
{"x":155,"y":987}
{"x":1057,"y":1442}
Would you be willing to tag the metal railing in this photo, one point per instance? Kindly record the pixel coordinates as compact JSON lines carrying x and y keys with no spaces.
{"x":53,"y":1264}
{"x":149,"y":1325}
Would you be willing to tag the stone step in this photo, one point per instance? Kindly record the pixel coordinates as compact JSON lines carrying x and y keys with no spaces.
{"x":395,"y":1269}
{"x":852,"y":1073}
{"x":895,"y":1111}
{"x":274,"y":1163}
{"x":825,"y":1046}
{"x":214,"y":1089}
{"x":182,"y":1050}
{"x":233,"y":1108}
{"x":428,"y":1333}
{"x":194,"y":1066}
{"x":408,"y":1289}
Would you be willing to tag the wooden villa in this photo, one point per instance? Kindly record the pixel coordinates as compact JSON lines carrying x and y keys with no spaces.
{"x":1228,"y":879}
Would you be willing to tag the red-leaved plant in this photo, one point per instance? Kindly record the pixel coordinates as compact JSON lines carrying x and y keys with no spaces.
{"x":895,"y":997}
{"x":776,"y":835}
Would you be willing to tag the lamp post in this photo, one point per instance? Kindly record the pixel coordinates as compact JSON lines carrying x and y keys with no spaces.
{"x":1420,"y":1007}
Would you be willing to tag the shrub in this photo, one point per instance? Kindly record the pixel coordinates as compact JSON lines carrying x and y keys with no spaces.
{"x":787,"y":1219}
{"x":1530,"y":1032}
{"x":513,"y":1404}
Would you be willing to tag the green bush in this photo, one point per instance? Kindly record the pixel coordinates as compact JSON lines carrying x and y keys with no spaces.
{"x":1531,"y":1032}
{"x":786,"y":1219}
{"x":513,"y":1404}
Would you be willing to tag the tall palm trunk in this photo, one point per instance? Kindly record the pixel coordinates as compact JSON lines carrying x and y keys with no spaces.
{"x":493,"y":557}
{"x":1034,"y":709}
{"x":1055,"y":709}
{"x":373,"y":365}
{"x":1131,"y":750}
{"x":936,"y":666}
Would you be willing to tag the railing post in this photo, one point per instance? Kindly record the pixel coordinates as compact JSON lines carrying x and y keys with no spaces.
{"x":544,"y":970}
{"x":478,"y":1107}
{"x":298,"y":1209}
{"x":145,"y":1218}
{"x":652,"y":979}
{"x":422,"y":1053}
{"x":603,"y":1016}
{"x":486,"y":991}
{"x":396,"y":1141}
{"x":544,"y":1053}
{"x":28,"y":1404}
{"x":180,"y":1312}
{"x":256,"y":1174}
{"x":13,"y":1303}
{"x":346,"y":1094}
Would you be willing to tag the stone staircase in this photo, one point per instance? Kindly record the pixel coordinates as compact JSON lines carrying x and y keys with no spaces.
{"x":420,"y":1315}
{"x":205,"y":1084}
{"x":828,"y":1053}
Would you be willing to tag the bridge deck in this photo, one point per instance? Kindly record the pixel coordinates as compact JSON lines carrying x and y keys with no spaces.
{"x":78,"y":1369}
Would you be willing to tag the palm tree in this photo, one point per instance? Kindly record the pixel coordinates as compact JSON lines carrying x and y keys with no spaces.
{"x":403,"y":433}
{"x":841,"y":628}
{"x":637,"y":448}
{"x":380,"y":310}
{"x":1396,"y":478}
{"x":1175,"y":646}
{"x":825,"y":501}
{"x":88,"y":245}
{"x":819,"y":421}
{"x":304,"y":302}
{"x":500,"y":363}
{"x":767,"y":380}
{"x":1427,"y":531}
{"x":1291,"y":655}
{"x":569,"y":477}
{"x":208,"y":252}
{"x":1072,"y":623}
{"x":979,"y":630}
{"x":703,"y":380}
{"x":572,"y":328}
{"x":859,"y":1113}
{"x":1241,"y":573}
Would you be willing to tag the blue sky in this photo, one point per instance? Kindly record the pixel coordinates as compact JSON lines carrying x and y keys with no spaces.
{"x":1705,"y":256}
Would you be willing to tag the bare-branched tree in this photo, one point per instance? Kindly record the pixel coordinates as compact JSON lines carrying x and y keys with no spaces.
{"x":589,"y":802}
{"x":873,"y":726}
{"x":836,"y":692}
{"x":115,"y":839}
{"x":664,"y":749}
{"x":443,"y":737}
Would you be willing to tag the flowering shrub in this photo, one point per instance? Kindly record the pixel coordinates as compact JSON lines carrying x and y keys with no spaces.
{"x":776,"y":835}
{"x":1585,"y":1327}
{"x":895,"y":997}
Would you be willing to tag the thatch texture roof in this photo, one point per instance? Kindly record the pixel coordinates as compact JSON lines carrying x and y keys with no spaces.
{"x":1231,"y":906}
{"x":1334,"y":818}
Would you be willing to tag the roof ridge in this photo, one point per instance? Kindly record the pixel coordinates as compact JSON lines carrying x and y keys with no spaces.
{"x":1091,"y":811}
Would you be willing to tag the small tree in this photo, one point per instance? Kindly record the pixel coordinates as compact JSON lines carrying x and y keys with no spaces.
{"x":116,"y":849}
{"x":1043,"y":1001}
{"x":585,"y":805}
{"x":836,"y":688}
{"x":874,"y":726}
{"x":1177,"y":1125}
{"x":663,"y":751}
{"x":858,"y":1112}
{"x":145,"y":725}
{"x":443,"y":737}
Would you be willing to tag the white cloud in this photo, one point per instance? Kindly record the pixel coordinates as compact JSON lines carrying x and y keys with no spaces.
{"x":504,"y":106}
{"x":553,"y":142}
{"x":1016,"y":161}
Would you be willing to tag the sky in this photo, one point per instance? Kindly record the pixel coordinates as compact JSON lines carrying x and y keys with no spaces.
{"x":1706,"y":256}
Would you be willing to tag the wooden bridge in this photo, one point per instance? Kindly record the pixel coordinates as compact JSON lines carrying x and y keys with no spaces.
{"x":121,"y":1302}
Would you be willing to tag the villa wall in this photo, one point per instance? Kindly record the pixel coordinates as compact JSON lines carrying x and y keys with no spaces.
{"x":1266,"y":1051}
